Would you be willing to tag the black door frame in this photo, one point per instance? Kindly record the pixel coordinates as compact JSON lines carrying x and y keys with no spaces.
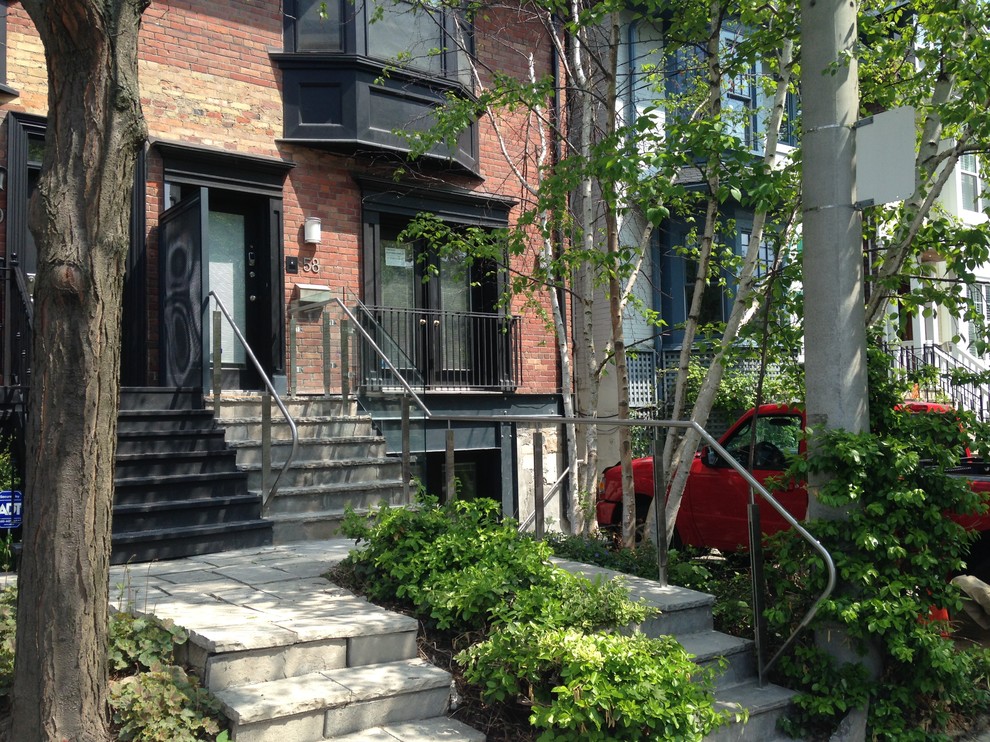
{"x":251,"y":177}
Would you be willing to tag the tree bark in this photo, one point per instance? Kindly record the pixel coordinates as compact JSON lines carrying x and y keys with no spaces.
{"x":79,"y":218}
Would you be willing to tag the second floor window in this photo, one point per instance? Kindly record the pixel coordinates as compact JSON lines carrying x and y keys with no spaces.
{"x":979,"y":294}
{"x":973,"y":183}
{"x":413,"y":35}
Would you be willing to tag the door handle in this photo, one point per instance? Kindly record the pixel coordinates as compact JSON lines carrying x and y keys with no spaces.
{"x":252,"y":298}
{"x":422,"y":322}
{"x":436,"y":323}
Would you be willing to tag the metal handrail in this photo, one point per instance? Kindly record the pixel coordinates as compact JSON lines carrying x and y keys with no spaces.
{"x":549,"y":496}
{"x":271,"y":390}
{"x":380,"y":353}
{"x":682,"y":424}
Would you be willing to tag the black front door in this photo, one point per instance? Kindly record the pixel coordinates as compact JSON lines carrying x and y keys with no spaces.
{"x":428,"y":298}
{"x":216,"y":241}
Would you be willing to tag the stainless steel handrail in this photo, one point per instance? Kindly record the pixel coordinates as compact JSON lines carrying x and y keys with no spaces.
{"x":682,"y":424}
{"x":271,"y":390}
{"x":549,"y":496}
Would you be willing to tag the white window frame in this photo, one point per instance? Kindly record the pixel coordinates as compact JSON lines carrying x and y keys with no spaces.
{"x":971,"y":170}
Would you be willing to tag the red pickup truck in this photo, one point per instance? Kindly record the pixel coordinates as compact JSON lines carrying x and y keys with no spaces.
{"x":713,"y":508}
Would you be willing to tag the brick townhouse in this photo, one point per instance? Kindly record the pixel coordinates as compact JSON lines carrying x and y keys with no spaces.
{"x":273,"y":176}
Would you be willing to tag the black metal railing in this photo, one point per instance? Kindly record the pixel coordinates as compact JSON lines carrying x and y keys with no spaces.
{"x":444,"y":351}
{"x":19,"y":334}
{"x":968,"y":396}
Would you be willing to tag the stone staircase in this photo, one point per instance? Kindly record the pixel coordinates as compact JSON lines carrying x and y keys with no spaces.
{"x":290,"y":656}
{"x":687,"y":615}
{"x":177,"y":489}
{"x":340,"y":462}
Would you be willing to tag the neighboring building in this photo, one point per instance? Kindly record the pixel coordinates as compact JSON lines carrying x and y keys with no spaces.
{"x":936,"y":337}
{"x":649,"y":74}
{"x":269,"y":177}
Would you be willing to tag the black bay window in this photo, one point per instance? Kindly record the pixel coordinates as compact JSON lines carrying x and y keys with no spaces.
{"x":357,"y":74}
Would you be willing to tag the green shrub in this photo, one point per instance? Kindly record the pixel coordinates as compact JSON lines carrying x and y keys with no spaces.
{"x":595,"y":686}
{"x":893,"y":556}
{"x":455,"y":564}
{"x":463,"y":568}
{"x":164,"y":705}
{"x":725,"y":576}
{"x":139,"y":643}
{"x":601,"y":549}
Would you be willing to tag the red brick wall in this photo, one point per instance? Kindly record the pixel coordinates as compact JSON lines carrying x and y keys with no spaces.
{"x":206,"y":79}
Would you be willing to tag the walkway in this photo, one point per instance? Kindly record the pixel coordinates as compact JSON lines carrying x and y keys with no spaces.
{"x":291,"y":656}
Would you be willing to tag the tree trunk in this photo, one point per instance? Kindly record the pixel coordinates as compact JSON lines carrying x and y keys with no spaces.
{"x":79,"y":219}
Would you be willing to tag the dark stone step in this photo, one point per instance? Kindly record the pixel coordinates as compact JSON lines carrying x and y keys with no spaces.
{"x":164,"y":421}
{"x":160,"y":398}
{"x":191,"y":462}
{"x":177,"y":441}
{"x":146,"y":546}
{"x":148,"y":489}
{"x":182,"y":514}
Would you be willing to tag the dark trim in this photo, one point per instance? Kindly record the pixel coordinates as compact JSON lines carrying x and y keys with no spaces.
{"x":277,"y":282}
{"x":359,"y":62}
{"x":218,"y":168}
{"x":451,"y":204}
{"x":134,"y":323}
{"x":20,"y":127}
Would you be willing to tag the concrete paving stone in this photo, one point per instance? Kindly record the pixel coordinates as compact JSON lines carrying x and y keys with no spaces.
{"x":301,"y":587}
{"x":241,"y":595}
{"x":196,"y":577}
{"x":374,"y":650}
{"x":247,"y":704}
{"x":201,"y":615}
{"x":301,"y":567}
{"x":7,"y":579}
{"x":321,"y":606}
{"x":433,"y":730}
{"x":253,"y":574}
{"x":372,"y":623}
{"x":138,"y":597}
{"x":333,"y":550}
{"x":302,"y":728}
{"x":385,"y":710}
{"x":379,"y":681}
{"x":205,"y":589}
{"x":377,"y":734}
{"x":313,"y":606}
{"x":240,"y":637}
{"x":275,"y":663}
{"x":154,"y":569}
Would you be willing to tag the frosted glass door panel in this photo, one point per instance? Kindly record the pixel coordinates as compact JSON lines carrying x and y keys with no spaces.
{"x":227,"y":279}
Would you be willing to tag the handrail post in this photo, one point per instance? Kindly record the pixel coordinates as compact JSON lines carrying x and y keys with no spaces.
{"x":538,"y":483}
{"x":345,"y":359}
{"x":327,"y":363}
{"x":217,"y":360}
{"x":293,"y":430}
{"x":266,"y":439}
{"x":660,"y":508}
{"x":451,"y":490}
{"x":292,"y":355}
{"x":406,"y":462}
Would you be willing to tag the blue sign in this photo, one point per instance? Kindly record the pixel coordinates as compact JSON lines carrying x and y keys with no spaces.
{"x":10,"y":509}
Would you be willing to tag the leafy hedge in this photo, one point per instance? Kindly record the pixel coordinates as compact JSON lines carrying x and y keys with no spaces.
{"x":544,"y":636}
